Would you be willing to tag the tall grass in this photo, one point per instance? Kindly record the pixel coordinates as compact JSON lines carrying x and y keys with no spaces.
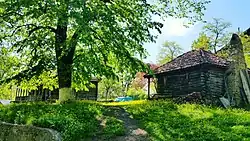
{"x":75,"y":121}
{"x":189,"y":122}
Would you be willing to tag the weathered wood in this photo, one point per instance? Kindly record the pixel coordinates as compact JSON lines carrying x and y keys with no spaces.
{"x":245,"y":82}
{"x":208,"y":80}
{"x":180,"y":83}
{"x":46,"y":95}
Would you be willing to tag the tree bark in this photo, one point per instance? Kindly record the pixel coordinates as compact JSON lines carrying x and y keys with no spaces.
{"x":64,"y":57}
{"x":64,"y":71}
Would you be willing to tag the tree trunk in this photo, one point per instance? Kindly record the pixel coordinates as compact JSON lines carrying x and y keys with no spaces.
{"x":64,"y":71}
{"x":64,"y":57}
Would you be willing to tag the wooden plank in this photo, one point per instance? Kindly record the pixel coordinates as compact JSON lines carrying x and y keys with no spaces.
{"x":245,"y":84}
{"x":17,"y":94}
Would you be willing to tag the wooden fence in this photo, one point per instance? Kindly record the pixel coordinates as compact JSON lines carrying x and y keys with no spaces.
{"x":47,"y":95}
{"x":36,"y":95}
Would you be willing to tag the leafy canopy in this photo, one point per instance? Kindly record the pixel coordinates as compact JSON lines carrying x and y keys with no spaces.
{"x":85,"y":37}
{"x":168,"y":51}
{"x":217,"y":32}
{"x":245,"y":39}
{"x":203,"y":42}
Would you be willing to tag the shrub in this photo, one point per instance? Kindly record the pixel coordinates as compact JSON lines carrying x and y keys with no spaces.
{"x":137,"y":93}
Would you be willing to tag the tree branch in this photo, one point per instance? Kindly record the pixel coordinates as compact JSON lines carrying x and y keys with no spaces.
{"x":30,"y":33}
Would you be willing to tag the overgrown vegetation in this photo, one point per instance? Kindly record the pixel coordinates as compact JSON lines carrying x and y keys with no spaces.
{"x":75,"y":121}
{"x":168,"y":121}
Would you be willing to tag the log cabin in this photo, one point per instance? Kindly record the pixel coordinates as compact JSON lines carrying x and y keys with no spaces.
{"x":218,"y":80}
{"x":194,"y":71}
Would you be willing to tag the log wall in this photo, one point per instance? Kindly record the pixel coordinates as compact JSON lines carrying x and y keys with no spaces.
{"x":208,"y":80}
{"x":179,"y":83}
{"x":214,"y":87}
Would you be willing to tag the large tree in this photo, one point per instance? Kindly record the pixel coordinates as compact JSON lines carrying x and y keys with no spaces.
{"x":82,"y":38}
{"x":217,"y":32}
{"x":168,"y":51}
{"x":203,"y":42}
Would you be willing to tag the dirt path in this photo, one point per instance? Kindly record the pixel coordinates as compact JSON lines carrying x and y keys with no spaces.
{"x":132,"y":130}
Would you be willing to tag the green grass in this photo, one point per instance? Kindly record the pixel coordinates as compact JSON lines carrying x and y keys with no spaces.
{"x":163,"y":120}
{"x":113,"y":127}
{"x":75,"y":121}
{"x":188,"y":122}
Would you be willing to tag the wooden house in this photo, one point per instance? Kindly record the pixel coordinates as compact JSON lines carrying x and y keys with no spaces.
{"x":215,"y":80}
{"x":195,"y":71}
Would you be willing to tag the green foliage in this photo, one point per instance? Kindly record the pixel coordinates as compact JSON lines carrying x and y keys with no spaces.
{"x":74,"y":120}
{"x":8,"y":66}
{"x":109,"y":88}
{"x":6,"y":91}
{"x":137,"y":93}
{"x":168,"y":121}
{"x":47,"y":79}
{"x":217,"y":33}
{"x":9,"y":63}
{"x":168,"y":52}
{"x":203,"y":42}
{"x":85,"y":38}
{"x":114,"y":127}
{"x":246,"y":46}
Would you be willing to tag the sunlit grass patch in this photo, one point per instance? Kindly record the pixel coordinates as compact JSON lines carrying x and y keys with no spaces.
{"x":195,"y":112}
{"x":164,"y":120}
{"x":134,"y":102}
{"x":74,"y":120}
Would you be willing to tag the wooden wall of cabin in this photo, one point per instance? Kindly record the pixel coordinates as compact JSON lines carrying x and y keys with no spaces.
{"x":209,"y":80}
{"x":214,"y":88}
{"x":180,"y":83}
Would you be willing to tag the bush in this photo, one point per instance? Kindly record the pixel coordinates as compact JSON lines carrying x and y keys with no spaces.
{"x":137,"y":93}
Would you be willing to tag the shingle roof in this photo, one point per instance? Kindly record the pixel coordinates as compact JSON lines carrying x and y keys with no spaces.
{"x":192,"y":58}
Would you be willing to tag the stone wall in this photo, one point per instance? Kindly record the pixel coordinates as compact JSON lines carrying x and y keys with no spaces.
{"x":12,"y":132}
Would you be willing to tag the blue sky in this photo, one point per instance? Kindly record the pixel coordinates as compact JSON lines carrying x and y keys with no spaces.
{"x":233,"y":11}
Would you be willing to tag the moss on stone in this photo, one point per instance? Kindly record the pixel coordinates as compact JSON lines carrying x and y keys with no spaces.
{"x":12,"y":132}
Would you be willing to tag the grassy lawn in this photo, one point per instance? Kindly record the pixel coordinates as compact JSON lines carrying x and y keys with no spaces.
{"x":75,"y":121}
{"x":167,"y":121}
{"x":163,"y":120}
